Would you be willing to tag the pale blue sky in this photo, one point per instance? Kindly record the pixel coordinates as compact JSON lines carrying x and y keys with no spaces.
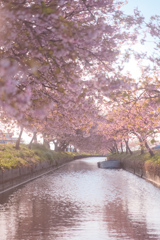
{"x":147,"y":7}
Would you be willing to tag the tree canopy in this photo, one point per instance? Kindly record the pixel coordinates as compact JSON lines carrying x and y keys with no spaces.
{"x":61,"y":72}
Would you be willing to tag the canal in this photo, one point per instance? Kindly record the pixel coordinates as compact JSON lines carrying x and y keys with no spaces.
{"x":81,"y":202}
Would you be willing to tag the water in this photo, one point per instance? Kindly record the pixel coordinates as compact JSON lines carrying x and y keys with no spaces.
{"x":81,"y":202}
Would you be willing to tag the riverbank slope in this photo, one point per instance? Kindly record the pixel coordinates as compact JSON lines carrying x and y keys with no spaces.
{"x":23,"y":165}
{"x":143,"y":165}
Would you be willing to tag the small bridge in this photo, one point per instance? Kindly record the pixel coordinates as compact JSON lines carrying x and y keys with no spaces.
{"x":110,"y":164}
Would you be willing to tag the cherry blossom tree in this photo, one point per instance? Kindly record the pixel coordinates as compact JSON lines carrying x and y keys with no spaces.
{"x":55,"y":46}
{"x":59,"y":65}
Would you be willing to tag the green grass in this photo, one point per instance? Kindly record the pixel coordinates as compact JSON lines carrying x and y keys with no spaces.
{"x":13,"y":158}
{"x":137,"y":156}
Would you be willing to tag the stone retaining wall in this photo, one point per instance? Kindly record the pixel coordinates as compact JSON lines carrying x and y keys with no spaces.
{"x":10,"y":178}
{"x":146,"y":170}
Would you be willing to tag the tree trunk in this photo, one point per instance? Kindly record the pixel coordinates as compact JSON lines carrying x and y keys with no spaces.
{"x":63,"y":145}
{"x":149,"y":149}
{"x":19,"y":139}
{"x":127,"y":147}
{"x":115,"y":144}
{"x":121,"y":147}
{"x":114,"y":149}
{"x":33,"y":139}
{"x":140,"y":142}
{"x":55,"y":146}
{"x":130,"y":150}
{"x":142,"y":147}
{"x":46,"y":142}
{"x":110,"y":150}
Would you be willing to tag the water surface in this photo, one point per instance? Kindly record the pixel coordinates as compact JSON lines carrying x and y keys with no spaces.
{"x":82,"y":202}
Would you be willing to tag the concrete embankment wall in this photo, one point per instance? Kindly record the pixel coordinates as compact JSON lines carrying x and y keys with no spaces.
{"x":146,"y":170}
{"x":10,"y":178}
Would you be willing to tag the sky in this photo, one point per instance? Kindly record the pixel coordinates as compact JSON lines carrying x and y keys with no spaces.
{"x":148,"y":8}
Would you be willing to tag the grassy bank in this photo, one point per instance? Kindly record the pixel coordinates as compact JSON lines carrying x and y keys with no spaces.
{"x":137,"y":156}
{"x":13,"y":158}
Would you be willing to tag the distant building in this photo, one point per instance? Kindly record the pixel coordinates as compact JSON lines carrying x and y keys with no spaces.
{"x":156,"y":147}
{"x":7,"y":138}
{"x":70,"y":148}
